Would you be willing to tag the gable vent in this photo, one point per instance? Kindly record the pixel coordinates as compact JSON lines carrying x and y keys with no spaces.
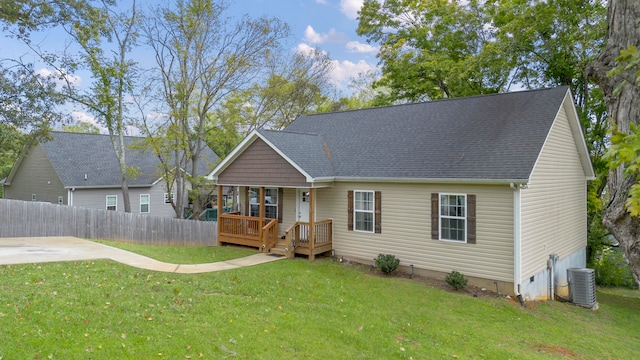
{"x":582,"y":286}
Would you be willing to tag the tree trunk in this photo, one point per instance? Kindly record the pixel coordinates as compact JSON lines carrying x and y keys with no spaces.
{"x":623,"y":30}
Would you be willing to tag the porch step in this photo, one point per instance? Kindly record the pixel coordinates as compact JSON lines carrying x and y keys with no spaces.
{"x":280,"y":248}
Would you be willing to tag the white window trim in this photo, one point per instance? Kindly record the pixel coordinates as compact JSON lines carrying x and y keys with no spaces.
{"x":166,"y":197}
{"x":465,"y":218}
{"x":107,"y":202}
{"x":148,"y":203}
{"x":372,"y":211}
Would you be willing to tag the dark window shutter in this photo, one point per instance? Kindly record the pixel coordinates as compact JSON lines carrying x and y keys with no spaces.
{"x":350,"y":210}
{"x":471,"y":219}
{"x":378,"y":212}
{"x":280,"y":201}
{"x":435,"y":218}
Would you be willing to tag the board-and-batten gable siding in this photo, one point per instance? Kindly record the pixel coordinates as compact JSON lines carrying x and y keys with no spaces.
{"x":406,"y":228}
{"x":554,"y":212}
{"x":97,"y":199}
{"x":36,"y":175}
{"x":259,"y":164}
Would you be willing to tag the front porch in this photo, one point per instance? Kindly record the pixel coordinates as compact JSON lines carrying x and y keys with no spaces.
{"x":310,"y":238}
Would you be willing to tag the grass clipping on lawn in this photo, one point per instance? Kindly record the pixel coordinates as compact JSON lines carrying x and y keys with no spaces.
{"x":288,"y":310}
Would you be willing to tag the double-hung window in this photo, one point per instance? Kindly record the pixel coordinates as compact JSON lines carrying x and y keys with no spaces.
{"x":270,"y":202}
{"x":144,"y":203}
{"x":363,"y":210}
{"x":112,"y":202}
{"x":453,"y":217}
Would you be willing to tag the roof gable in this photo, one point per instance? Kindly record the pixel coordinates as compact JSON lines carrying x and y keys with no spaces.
{"x":490,"y":138}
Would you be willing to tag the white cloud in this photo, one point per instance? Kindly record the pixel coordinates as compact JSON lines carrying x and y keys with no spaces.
{"x":307,"y":50}
{"x":343,"y":71}
{"x":358,"y":47}
{"x":313,"y":37}
{"x":323,"y":2}
{"x":60,"y":77}
{"x":351,"y":7}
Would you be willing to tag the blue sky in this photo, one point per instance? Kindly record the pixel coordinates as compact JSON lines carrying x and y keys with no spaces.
{"x":329,"y":25}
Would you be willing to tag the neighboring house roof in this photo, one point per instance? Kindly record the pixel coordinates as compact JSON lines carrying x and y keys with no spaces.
{"x":73,"y":155}
{"x":482,"y":138}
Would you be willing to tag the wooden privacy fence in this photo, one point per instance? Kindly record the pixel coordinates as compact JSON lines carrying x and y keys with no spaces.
{"x":29,"y":219}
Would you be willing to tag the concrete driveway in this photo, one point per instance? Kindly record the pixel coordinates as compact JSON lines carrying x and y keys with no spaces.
{"x":66,"y":248}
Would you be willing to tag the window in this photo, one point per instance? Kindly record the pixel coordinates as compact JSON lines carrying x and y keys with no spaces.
{"x":167,"y":200}
{"x":453,"y":217}
{"x":365,"y":211}
{"x":144,"y":203}
{"x":270,"y":203}
{"x":112,"y":202}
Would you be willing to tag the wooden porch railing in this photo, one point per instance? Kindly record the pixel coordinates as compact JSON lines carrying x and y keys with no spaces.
{"x":297,"y":237}
{"x":269,"y":235}
{"x":247,"y":230}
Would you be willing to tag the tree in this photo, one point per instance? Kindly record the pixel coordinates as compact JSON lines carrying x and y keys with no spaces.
{"x":622,"y":97}
{"x":91,"y":28}
{"x":290,"y":88}
{"x":113,"y":74}
{"x":435,"y":49}
{"x":81,"y":127}
{"x":201,"y":59}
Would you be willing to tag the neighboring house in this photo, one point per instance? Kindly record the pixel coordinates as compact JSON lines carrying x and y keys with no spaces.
{"x":82,"y":170}
{"x":491,"y":186}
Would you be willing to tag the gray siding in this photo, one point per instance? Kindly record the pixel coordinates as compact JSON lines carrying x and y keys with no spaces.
{"x":406,"y":229}
{"x":35,"y":175}
{"x":260,"y":165}
{"x":554,"y":213}
{"x":96,"y":199}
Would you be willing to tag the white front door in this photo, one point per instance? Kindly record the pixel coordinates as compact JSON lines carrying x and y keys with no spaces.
{"x":302,"y":206}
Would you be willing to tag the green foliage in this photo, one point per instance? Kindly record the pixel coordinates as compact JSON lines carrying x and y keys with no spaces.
{"x":456,"y":280}
{"x":625,"y":150}
{"x":611,"y":269}
{"x":81,"y":127}
{"x":387,"y":263}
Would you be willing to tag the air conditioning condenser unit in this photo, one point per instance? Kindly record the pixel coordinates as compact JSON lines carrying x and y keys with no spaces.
{"x":582,"y":286}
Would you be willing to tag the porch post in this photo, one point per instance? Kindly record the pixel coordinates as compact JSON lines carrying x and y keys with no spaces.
{"x":312,"y":222}
{"x":220,"y":207}
{"x":261,"y":215}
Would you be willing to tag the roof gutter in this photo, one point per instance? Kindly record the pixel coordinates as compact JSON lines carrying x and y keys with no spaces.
{"x":423,"y":180}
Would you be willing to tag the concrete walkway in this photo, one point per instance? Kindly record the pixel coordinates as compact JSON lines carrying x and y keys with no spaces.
{"x":66,"y":248}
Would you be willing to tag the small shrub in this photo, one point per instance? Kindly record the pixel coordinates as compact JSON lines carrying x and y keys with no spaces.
{"x":612,"y":270}
{"x":456,"y":279}
{"x":387,"y":263}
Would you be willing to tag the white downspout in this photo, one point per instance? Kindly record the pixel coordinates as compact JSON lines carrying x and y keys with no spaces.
{"x":70,"y":196}
{"x":517,"y":240}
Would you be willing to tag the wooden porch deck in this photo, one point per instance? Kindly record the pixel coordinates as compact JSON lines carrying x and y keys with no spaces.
{"x":250,"y":231}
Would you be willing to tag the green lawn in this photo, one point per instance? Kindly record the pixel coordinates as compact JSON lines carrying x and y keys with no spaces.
{"x":289,"y":309}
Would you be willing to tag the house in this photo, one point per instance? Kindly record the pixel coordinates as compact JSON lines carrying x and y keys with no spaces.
{"x":82,"y":170}
{"x":493,"y":186}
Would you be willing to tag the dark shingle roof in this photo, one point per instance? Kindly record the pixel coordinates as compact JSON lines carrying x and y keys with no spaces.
{"x":492,"y":137}
{"x":73,"y":155}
